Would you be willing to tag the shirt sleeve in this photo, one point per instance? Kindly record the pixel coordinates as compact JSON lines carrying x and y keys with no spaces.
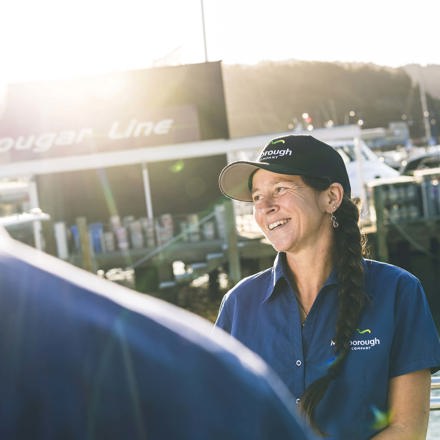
{"x":416,"y":344}
{"x":223,"y":320}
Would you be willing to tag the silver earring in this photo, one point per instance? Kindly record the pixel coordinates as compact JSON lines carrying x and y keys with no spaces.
{"x":333,"y":219}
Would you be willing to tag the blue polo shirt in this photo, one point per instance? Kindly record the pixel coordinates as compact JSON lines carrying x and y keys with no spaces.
{"x":396,"y":335}
{"x":83,"y":358}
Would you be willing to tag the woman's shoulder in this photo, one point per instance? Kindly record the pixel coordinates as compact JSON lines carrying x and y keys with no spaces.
{"x":382,"y":269}
{"x":252,"y":285}
{"x":381,"y":276}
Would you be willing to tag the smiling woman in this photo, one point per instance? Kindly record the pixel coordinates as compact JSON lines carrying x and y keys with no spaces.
{"x":352,"y":338}
{"x":300,"y":219}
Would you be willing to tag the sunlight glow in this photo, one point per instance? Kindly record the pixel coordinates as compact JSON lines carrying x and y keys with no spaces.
{"x":51,"y":39}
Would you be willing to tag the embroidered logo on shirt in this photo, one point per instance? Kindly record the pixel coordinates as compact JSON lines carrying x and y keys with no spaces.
{"x":361,"y":332}
{"x":358,"y":343}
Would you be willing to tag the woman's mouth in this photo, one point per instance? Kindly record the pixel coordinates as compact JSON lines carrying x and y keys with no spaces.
{"x":276,"y":224}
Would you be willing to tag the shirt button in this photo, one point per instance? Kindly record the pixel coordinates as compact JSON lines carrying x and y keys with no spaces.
{"x":298,"y":363}
{"x":298,"y":401}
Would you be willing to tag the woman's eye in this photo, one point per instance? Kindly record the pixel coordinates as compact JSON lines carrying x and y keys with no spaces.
{"x":256,"y":198}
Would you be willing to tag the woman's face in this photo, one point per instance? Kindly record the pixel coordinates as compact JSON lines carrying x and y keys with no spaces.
{"x":292,"y":215}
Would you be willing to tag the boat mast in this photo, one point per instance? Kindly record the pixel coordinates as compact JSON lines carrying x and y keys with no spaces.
{"x":425,"y":111}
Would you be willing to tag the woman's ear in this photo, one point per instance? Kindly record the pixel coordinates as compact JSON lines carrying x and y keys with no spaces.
{"x":334,"y":195}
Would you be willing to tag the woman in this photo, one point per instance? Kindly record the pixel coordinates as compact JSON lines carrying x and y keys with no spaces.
{"x":352,"y":338}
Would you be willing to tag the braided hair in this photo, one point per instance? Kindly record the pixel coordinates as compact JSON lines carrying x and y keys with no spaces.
{"x":348,"y":250}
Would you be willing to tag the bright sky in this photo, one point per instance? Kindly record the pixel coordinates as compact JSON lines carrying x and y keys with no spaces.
{"x":48,"y":39}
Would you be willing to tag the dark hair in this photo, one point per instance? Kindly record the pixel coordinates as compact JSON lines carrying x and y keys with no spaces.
{"x":349,"y":248}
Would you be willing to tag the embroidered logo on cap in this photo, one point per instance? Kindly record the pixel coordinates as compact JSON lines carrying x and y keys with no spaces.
{"x":275,"y":154}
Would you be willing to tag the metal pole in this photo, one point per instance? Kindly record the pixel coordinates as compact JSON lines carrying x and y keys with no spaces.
{"x":36,"y":226}
{"x":147,"y":190}
{"x":204,"y":31}
{"x":88,"y":261}
{"x":232,"y":243}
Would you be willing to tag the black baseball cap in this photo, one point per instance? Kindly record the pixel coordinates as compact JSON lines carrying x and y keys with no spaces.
{"x":301,"y":155}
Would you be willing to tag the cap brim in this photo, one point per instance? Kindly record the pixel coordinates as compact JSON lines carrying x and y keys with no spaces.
{"x":234,"y":180}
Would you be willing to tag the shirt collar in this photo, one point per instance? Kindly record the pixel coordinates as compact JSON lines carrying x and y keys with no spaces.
{"x":278,"y":273}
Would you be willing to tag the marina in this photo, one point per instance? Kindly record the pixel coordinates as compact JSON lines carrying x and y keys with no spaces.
{"x":139,"y":204}
{"x":115,"y":123}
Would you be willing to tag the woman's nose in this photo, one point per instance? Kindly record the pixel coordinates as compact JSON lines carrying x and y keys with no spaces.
{"x":266,"y":205}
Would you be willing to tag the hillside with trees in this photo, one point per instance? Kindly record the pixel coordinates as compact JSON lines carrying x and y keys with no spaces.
{"x":430,"y":75}
{"x":275,"y":96}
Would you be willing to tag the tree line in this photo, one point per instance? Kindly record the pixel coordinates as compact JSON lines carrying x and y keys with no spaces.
{"x":278,"y":96}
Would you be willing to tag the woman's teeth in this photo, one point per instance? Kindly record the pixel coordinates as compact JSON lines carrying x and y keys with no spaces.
{"x":274,"y":225}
